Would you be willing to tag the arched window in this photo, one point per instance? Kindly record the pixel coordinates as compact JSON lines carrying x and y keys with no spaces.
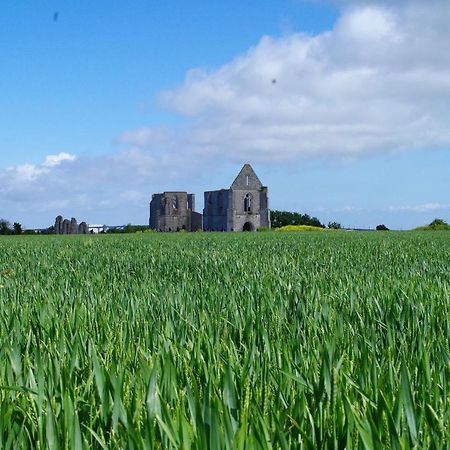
{"x":175,"y":203}
{"x":248,"y":203}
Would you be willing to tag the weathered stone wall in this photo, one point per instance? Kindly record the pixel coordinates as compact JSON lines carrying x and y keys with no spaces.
{"x":191,"y":202}
{"x":83,"y":228}
{"x":242,"y":217}
{"x":264,"y":211}
{"x":171,"y":211}
{"x":58,"y":225}
{"x":66,"y":226}
{"x":156,"y":209}
{"x":247,"y":179}
{"x":215,"y":212}
{"x":73,"y":226}
{"x":196,"y":221}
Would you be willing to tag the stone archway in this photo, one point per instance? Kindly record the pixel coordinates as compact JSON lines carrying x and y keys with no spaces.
{"x":248,"y":226}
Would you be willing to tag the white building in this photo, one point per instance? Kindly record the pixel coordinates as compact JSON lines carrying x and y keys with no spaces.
{"x":97,"y":228}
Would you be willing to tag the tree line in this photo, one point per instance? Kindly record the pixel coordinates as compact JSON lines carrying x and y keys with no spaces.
{"x":7,"y":228}
{"x":280,"y":219}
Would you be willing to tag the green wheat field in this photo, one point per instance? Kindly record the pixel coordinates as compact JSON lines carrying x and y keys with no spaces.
{"x":251,"y":340}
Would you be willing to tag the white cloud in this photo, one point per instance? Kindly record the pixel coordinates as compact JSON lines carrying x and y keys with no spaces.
{"x":421,"y":208}
{"x":133,"y":196}
{"x":424,"y":208}
{"x":369,"y":24}
{"x":144,"y":137}
{"x":378,"y":82}
{"x":56,"y":160}
{"x":27,"y":173}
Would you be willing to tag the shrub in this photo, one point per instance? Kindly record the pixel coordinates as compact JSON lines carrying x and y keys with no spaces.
{"x":436,"y":225}
{"x":334,"y":225}
{"x":282,"y":218}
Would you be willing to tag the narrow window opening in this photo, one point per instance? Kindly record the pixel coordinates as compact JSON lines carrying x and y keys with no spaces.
{"x":246,"y":180}
{"x":248,"y":203}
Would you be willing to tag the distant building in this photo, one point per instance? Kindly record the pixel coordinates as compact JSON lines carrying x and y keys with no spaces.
{"x":174,"y":211}
{"x":242,"y":207}
{"x":96,"y":228}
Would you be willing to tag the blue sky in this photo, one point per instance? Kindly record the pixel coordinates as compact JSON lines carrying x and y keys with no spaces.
{"x":341,"y":107}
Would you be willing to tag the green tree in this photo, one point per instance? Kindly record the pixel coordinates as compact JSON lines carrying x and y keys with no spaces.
{"x":282,"y":218}
{"x":436,"y":225}
{"x":17,"y":227}
{"x":439,"y":224}
{"x":5,"y":227}
{"x":334,"y":225}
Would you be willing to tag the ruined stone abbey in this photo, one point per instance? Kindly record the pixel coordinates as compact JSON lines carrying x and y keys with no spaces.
{"x":242,"y":207}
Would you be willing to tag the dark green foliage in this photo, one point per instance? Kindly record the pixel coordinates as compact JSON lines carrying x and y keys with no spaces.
{"x":382,"y":228}
{"x":282,"y":218}
{"x":334,"y":225}
{"x":5,"y":227}
{"x":49,"y":230}
{"x":436,"y":225}
{"x":204,"y":340}
{"x":17,"y":228}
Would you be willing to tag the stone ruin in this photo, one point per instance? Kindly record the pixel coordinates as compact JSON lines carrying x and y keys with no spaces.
{"x":66,"y":226}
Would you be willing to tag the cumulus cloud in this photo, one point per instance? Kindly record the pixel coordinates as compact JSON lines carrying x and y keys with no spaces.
{"x":28,"y":173}
{"x":377,"y":82}
{"x":56,"y":160}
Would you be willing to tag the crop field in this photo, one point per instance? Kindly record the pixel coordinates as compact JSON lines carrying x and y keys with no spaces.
{"x":253,"y":340}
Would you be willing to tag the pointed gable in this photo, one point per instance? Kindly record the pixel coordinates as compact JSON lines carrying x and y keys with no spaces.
{"x":246,"y":179}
